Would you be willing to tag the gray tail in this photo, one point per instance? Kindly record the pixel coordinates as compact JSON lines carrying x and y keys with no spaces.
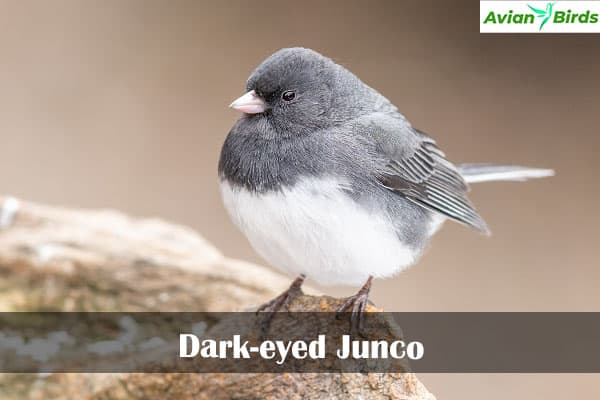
{"x":474,"y":173}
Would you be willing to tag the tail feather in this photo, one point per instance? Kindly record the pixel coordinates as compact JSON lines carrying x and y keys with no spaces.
{"x":474,"y":173}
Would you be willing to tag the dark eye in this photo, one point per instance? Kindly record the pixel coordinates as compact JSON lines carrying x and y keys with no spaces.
{"x":288,"y":95}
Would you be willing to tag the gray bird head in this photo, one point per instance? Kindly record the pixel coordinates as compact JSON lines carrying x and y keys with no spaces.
{"x":298,"y":90}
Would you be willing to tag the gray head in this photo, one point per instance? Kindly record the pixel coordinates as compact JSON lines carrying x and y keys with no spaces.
{"x":298,"y":90}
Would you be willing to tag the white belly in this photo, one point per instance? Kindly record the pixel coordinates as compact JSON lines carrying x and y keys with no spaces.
{"x":316,"y":229}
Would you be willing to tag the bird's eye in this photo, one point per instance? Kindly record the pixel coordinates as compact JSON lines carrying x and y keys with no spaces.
{"x":288,"y":95}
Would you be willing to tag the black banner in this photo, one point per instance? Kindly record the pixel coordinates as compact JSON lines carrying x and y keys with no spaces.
{"x":299,"y":342}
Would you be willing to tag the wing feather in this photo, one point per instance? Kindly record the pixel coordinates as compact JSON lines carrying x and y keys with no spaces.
{"x":540,"y":13}
{"x":425,"y":177}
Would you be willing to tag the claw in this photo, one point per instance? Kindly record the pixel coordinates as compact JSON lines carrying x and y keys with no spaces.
{"x":272,"y":306}
{"x":357,"y":303}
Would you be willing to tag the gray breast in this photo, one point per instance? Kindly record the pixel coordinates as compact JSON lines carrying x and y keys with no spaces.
{"x":260,"y":160}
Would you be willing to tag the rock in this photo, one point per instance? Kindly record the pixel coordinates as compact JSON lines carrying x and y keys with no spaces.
{"x":57,"y":259}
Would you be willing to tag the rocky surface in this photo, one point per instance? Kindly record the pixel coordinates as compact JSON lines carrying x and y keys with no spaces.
{"x":77,"y":260}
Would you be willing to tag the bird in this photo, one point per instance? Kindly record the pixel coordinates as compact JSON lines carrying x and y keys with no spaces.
{"x":328,"y":180}
{"x":544,"y":14}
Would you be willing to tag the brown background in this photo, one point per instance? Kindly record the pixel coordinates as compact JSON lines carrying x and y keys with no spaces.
{"x":123,"y":104}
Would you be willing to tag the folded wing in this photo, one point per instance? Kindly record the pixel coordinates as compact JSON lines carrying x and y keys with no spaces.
{"x":420,"y":172}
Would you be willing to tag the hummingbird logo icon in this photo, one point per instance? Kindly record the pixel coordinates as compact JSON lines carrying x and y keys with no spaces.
{"x":544,"y":14}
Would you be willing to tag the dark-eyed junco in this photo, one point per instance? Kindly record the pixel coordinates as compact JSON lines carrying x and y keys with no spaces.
{"x":328,"y":180}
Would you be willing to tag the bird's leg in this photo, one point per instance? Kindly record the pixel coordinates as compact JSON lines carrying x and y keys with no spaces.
{"x":357,"y":305}
{"x":271,"y":307}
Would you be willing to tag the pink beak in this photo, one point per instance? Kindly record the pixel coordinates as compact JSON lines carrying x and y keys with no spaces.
{"x":249,"y":103}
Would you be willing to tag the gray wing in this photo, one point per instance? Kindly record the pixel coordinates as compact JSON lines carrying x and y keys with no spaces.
{"x":418,"y":170}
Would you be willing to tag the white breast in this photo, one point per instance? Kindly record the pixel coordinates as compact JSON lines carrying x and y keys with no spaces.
{"x":316,"y":229}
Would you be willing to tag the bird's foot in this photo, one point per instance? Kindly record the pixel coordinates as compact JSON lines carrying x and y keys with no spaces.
{"x":356,"y":305}
{"x":284,"y":299}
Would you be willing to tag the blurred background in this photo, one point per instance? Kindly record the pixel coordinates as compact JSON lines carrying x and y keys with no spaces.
{"x":123,"y":104}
